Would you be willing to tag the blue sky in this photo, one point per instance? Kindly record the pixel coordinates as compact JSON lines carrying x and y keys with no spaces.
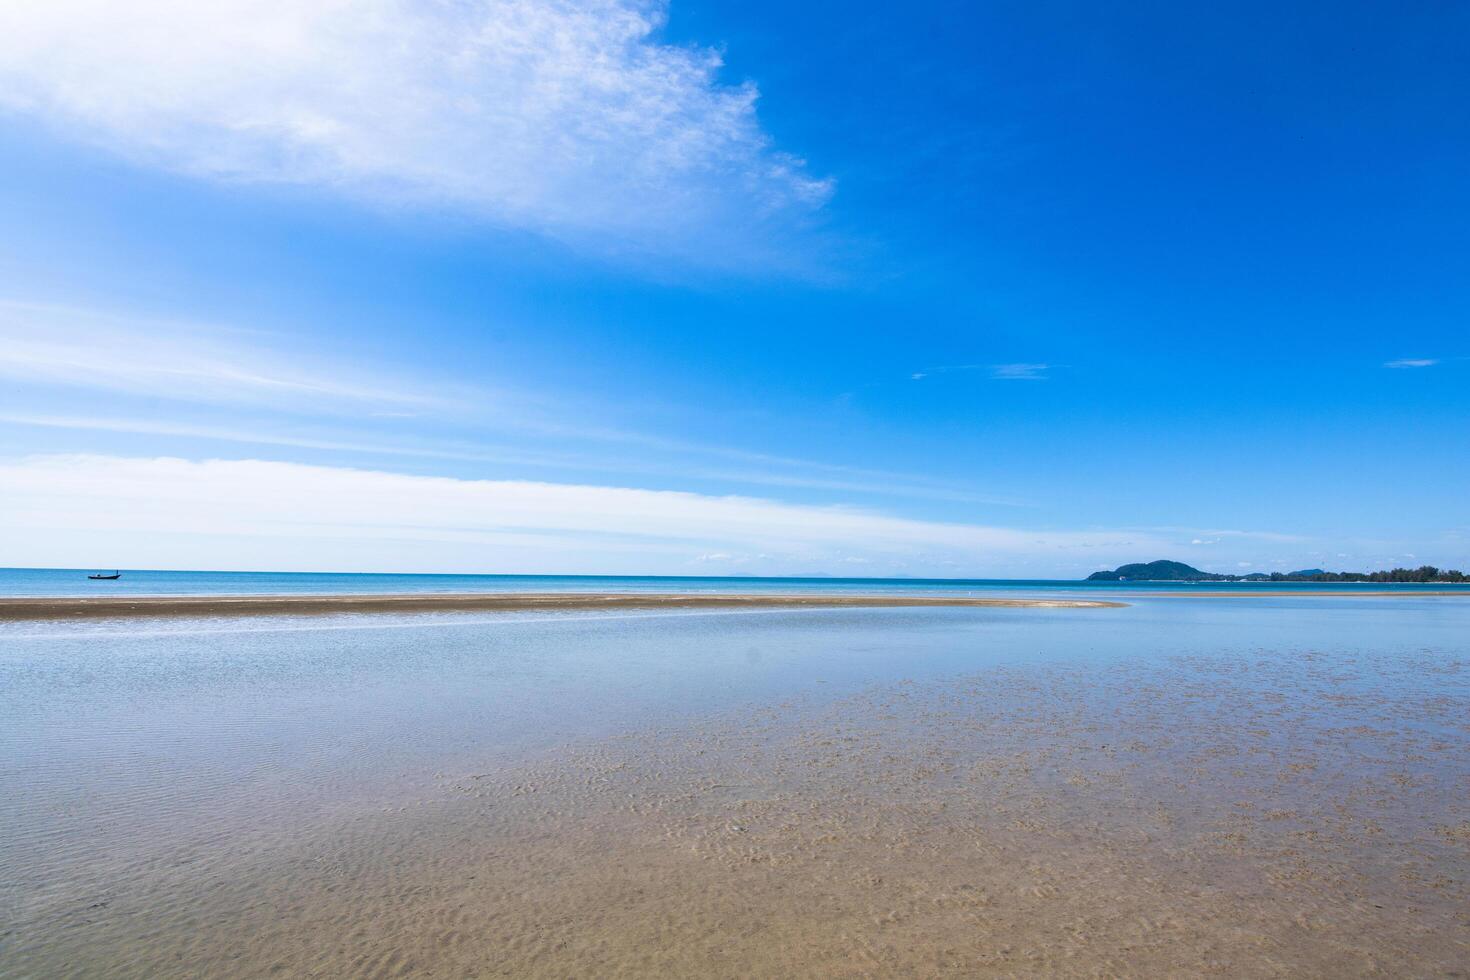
{"x":931,"y":289}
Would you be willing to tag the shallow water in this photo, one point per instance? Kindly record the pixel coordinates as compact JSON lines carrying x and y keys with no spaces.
{"x":163,"y":784}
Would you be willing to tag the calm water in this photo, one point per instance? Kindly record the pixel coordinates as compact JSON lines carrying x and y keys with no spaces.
{"x":74,"y":581}
{"x":123,"y":734}
{"x":172,"y":757}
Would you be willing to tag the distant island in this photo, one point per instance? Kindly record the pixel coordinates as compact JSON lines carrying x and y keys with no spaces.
{"x":1177,"y":571}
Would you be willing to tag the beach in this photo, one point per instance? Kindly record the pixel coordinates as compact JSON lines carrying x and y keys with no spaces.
{"x":1173,"y":787}
{"x":669,"y":488}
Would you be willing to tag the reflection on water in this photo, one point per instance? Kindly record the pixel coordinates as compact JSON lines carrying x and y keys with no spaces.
{"x":203,"y":752}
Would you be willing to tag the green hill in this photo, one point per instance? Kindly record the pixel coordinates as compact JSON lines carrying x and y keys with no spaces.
{"x":1157,"y":571}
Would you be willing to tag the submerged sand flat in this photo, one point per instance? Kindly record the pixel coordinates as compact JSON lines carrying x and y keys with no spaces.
{"x":107,"y":607}
{"x":1252,"y":815}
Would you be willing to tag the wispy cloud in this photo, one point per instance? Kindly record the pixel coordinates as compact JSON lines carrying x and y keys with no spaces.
{"x":263,"y":437}
{"x":42,"y":344}
{"x":1214,"y":535}
{"x":1412,"y":362}
{"x":1019,"y":372}
{"x":564,"y":117}
{"x":1023,"y":371}
{"x":793,"y":474}
{"x":251,"y":388}
{"x":251,"y":513}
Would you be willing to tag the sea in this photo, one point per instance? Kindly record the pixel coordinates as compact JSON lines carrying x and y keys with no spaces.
{"x":151,"y":582}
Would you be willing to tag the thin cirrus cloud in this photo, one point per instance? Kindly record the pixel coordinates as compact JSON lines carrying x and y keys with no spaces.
{"x":1021,"y":371}
{"x":1412,"y":362}
{"x":61,"y":346}
{"x":158,"y":512}
{"x":131,"y":363}
{"x":563,"y":117}
{"x":1215,"y":535}
{"x":802,"y":474}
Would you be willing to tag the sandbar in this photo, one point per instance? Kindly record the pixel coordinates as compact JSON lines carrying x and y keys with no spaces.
{"x":111,"y":607}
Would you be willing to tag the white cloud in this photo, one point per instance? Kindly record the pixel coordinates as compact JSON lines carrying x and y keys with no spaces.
{"x":1213,"y":535}
{"x":135,"y":361}
{"x":41,"y":344}
{"x":1412,"y":362}
{"x":997,"y":372}
{"x":74,"y":510}
{"x":1019,"y":372}
{"x":814,"y":476}
{"x":566,"y":117}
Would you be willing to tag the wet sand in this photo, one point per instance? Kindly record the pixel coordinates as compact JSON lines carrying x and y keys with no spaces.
{"x":108,"y":607}
{"x":1248,"y":817}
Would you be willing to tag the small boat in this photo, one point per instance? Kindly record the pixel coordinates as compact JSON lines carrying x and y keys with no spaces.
{"x":105,"y":578}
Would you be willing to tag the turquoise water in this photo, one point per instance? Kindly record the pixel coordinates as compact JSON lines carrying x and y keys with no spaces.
{"x":139,"y":582}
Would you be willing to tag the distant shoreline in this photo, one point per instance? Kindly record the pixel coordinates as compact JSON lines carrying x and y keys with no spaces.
{"x":109,"y":607}
{"x":1373,"y":590}
{"x":1303,"y":586}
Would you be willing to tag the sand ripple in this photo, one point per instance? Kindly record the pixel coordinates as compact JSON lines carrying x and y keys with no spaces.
{"x":1237,"y":816}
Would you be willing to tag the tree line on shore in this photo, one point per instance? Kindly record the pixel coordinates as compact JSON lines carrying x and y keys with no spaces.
{"x":1424,"y":573}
